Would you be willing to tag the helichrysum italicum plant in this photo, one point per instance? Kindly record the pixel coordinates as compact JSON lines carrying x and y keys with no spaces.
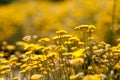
{"x":68,"y":58}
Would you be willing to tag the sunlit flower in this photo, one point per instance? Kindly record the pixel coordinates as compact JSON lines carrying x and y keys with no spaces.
{"x":78,"y":53}
{"x":76,"y":61}
{"x":10,"y":47}
{"x":61,"y":32}
{"x":15,"y":78}
{"x":27,"y":38}
{"x":92,"y":77}
{"x":42,"y":40}
{"x":82,"y":27}
{"x":31,"y":47}
{"x":1,"y":54}
{"x":23,"y":71}
{"x":117,"y":66}
{"x":36,"y":77}
{"x":73,"y":77}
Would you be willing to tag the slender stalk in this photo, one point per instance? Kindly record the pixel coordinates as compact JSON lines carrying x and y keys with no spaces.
{"x":113,"y":21}
{"x":113,"y":15}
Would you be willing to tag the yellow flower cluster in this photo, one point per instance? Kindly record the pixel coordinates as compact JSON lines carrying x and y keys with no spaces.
{"x":64,"y":57}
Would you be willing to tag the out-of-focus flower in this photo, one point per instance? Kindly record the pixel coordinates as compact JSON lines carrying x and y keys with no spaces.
{"x":10,"y":47}
{"x":76,"y":61}
{"x":92,"y":77}
{"x":21,"y":43}
{"x":42,"y":40}
{"x":73,"y":77}
{"x":23,"y":71}
{"x":1,"y":78}
{"x":82,"y":27}
{"x":117,"y":66}
{"x":31,"y":47}
{"x":27,"y":38}
{"x":15,"y":78}
{"x":36,"y":77}
{"x":1,"y":55}
{"x":61,"y":32}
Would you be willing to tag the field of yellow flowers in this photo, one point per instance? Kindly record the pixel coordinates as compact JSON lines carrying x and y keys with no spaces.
{"x":62,"y":57}
{"x":65,"y":40}
{"x":29,"y":17}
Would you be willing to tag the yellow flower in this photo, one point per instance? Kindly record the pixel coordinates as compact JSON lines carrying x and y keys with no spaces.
{"x":85,"y":28}
{"x":52,"y":70}
{"x":13,"y":59}
{"x":1,"y":54}
{"x":41,"y":69}
{"x":66,"y":36}
{"x":43,"y":40}
{"x":117,"y":66}
{"x":118,"y":40}
{"x":56,"y":38}
{"x":35,"y":57}
{"x":23,"y":66}
{"x":1,"y":78}
{"x":78,"y":53}
{"x":61,"y":48}
{"x":25,"y":59}
{"x":51,"y":64}
{"x":15,"y":78}
{"x":66,"y":54}
{"x":3,"y":72}
{"x":73,"y":48}
{"x":45,"y":72}
{"x":101,"y":44}
{"x":81,"y":43}
{"x":5,"y":61}
{"x":82,"y":27}
{"x":91,"y":28}
{"x":28,"y":52}
{"x":52,"y":54}
{"x":73,"y":77}
{"x":61,"y":65}
{"x":19,"y":64}
{"x":116,"y":51}
{"x":36,"y":77}
{"x":67,"y":42}
{"x":73,"y":39}
{"x":31,"y":47}
{"x":90,"y":67}
{"x":92,"y":77}
{"x":61,"y":32}
{"x":22,"y":71}
{"x":35,"y":66}
{"x":28,"y":68}
{"x":5,"y":67}
{"x":39,"y":48}
{"x":10,"y":47}
{"x":27,"y":38}
{"x":46,"y":49}
{"x":76,"y":61}
{"x":21,"y":43}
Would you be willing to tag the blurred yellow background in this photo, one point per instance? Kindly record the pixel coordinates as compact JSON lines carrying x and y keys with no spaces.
{"x":43,"y":17}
